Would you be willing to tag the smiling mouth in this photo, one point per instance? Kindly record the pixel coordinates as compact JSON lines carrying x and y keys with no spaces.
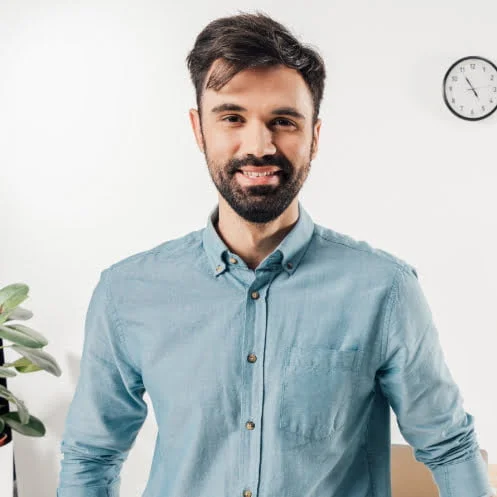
{"x":264,"y":179}
{"x":258,"y":173}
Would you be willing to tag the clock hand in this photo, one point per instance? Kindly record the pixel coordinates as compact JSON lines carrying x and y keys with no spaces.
{"x":472,"y":87}
{"x":478,"y":87}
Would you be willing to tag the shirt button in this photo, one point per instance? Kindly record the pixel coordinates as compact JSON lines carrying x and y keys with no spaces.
{"x":289,"y":265}
{"x":250,"y":425}
{"x":251,"y":358}
{"x":255,"y":295}
{"x":233,"y":260}
{"x":247,"y":493}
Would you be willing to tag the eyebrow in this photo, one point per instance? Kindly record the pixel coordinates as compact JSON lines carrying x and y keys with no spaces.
{"x":287,"y":111}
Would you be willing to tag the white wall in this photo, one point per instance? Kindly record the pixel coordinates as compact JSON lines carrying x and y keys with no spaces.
{"x":97,"y":161}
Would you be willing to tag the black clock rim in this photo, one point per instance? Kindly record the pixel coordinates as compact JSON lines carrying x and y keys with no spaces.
{"x":488,"y":61}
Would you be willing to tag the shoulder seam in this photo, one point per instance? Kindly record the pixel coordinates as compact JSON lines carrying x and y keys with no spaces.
{"x":396,"y":262}
{"x":153,"y":251}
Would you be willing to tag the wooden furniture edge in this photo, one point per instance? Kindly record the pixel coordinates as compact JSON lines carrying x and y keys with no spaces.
{"x":492,"y":471}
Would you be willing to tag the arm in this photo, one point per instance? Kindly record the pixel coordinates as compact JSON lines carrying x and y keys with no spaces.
{"x":427,"y":402}
{"x":107,"y":409}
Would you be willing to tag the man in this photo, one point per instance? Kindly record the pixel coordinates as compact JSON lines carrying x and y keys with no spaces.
{"x":271,"y":347}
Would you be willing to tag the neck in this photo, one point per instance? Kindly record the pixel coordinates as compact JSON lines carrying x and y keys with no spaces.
{"x":253,"y":242}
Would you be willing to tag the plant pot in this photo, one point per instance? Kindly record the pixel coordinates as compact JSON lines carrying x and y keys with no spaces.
{"x":6,"y":444}
{"x":6,"y":434}
{"x":7,"y":470}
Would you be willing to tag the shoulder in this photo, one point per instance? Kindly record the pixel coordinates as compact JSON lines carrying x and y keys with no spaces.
{"x":360,"y":251}
{"x":150,"y":260}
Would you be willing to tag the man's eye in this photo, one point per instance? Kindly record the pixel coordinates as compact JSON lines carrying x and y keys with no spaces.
{"x":281,"y":121}
{"x":284,"y":121}
{"x":230,"y":117}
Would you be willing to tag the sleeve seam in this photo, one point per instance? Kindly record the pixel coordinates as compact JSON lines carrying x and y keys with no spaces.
{"x":407,"y":373}
{"x":117,"y":323}
{"x":392,"y":298}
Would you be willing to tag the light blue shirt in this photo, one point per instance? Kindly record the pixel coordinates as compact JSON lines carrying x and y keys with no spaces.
{"x":273,"y":382}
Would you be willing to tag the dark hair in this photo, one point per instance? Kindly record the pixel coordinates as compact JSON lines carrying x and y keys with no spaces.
{"x":252,"y":40}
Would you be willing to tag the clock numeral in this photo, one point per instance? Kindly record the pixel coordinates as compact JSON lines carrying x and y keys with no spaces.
{"x":472,"y":66}
{"x":450,"y":88}
{"x":492,"y":77}
{"x":484,"y":68}
{"x":454,"y":78}
{"x":495,"y":89}
{"x":453,"y":100}
{"x":491,"y":100}
{"x":472,"y":112}
{"x":483,"y":108}
{"x":462,"y":69}
{"x":461,"y":107}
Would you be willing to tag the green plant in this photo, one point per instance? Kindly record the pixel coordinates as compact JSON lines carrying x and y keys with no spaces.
{"x":29,"y":344}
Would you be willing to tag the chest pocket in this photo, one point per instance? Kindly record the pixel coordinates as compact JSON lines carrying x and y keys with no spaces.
{"x":317,"y":390}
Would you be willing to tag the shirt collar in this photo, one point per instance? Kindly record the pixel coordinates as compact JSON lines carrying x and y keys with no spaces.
{"x":287,"y":254}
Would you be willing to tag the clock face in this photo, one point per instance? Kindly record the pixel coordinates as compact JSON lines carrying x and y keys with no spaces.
{"x":470,"y":88}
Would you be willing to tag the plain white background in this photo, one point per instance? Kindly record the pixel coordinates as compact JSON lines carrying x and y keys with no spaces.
{"x":98,"y":161}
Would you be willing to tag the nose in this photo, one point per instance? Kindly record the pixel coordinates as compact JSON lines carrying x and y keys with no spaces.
{"x":257,"y":140}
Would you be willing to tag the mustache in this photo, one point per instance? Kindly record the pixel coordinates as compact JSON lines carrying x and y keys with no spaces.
{"x":267,"y":160}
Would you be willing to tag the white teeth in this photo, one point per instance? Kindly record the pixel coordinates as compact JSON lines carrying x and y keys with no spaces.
{"x":254,"y":175}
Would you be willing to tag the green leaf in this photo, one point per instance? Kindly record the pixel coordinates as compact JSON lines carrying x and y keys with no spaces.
{"x":6,"y":372}
{"x":24,"y":365}
{"x":22,"y":335}
{"x":23,"y":411}
{"x":10,"y":297}
{"x":41,"y":358}
{"x":20,"y":313}
{"x":33,"y":428}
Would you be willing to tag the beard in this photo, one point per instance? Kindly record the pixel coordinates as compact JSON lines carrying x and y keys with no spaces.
{"x":258,"y":203}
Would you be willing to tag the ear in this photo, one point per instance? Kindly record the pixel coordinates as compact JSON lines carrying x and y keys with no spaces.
{"x":197,"y":130}
{"x":315,"y":141}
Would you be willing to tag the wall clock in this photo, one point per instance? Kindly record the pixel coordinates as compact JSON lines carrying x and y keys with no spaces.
{"x":470,"y":88}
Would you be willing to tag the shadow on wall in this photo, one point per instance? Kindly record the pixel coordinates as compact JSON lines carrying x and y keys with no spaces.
{"x":36,"y":459}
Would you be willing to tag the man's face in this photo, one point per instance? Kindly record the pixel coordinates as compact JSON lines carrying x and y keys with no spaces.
{"x":261,"y":117}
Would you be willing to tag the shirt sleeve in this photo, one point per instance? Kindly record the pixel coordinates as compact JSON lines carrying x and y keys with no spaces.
{"x":421,"y":390}
{"x":107,"y":409}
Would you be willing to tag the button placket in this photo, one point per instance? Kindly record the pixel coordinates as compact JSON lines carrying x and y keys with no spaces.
{"x":252,"y":410}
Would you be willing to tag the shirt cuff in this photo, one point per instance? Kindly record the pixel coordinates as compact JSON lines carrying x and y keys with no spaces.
{"x":467,"y":478}
{"x":111,"y":490}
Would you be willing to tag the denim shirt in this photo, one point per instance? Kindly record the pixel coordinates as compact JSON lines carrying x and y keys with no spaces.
{"x":267,"y":382}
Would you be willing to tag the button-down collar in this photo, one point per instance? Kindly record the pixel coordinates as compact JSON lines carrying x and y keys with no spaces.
{"x":287,"y":254}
